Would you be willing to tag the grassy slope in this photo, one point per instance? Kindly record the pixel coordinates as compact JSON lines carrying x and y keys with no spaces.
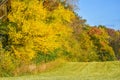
{"x":78,"y":71}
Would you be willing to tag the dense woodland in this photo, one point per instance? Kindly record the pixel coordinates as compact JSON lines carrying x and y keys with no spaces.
{"x":41,"y":31}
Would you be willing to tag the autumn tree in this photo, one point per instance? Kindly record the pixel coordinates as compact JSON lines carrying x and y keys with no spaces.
{"x":100,"y":40}
{"x":114,"y":41}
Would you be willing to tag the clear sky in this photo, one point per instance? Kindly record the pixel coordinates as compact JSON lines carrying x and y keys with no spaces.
{"x":104,"y":12}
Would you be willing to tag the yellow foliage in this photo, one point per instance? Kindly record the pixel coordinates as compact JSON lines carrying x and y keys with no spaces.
{"x":33,"y":29}
{"x":64,"y":14}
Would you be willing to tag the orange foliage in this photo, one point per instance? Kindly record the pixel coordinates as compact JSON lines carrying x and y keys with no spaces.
{"x":95,"y":30}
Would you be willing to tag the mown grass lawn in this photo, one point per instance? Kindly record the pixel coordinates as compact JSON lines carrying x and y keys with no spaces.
{"x":78,"y":71}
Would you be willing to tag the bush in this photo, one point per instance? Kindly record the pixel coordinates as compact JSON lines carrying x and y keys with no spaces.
{"x":7,"y":64}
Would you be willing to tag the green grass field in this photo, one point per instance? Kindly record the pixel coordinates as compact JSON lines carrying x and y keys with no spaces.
{"x":78,"y":71}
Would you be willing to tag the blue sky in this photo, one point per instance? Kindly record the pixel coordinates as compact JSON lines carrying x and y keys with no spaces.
{"x":104,"y":12}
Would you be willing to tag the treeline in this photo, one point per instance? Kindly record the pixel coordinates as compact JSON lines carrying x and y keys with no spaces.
{"x":40,"y":31}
